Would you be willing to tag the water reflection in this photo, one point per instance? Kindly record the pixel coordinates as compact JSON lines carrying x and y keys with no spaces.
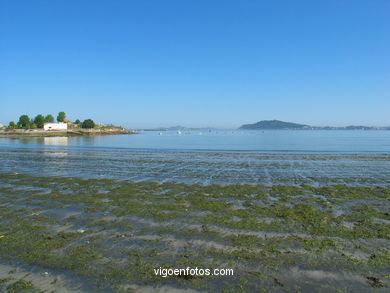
{"x":55,"y":158}
{"x":62,"y":141}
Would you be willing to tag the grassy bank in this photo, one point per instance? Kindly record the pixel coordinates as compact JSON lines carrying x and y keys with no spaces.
{"x":112,"y":234}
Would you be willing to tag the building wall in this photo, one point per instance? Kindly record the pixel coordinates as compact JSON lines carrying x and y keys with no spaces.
{"x":55,"y":126}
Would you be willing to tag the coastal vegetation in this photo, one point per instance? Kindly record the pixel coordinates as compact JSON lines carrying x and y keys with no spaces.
{"x":25,"y":122}
{"x":88,"y":123}
{"x":34,"y":127}
{"x":111,"y":234}
{"x":61,"y":116}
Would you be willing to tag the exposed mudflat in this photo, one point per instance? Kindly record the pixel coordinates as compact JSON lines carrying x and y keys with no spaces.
{"x":71,"y":234}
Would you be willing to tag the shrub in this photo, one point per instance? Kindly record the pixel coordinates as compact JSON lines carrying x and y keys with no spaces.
{"x":88,"y":123}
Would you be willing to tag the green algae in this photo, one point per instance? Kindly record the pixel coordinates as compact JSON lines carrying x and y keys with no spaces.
{"x":22,"y":286}
{"x":117,"y":232}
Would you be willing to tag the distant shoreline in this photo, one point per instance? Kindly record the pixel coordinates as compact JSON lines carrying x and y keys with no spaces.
{"x":282,"y":125}
{"x":68,"y":133}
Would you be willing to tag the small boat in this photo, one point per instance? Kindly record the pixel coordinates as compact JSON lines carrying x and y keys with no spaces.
{"x":178,"y":132}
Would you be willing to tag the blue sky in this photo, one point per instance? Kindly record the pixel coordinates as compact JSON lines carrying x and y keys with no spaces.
{"x":197,"y":63}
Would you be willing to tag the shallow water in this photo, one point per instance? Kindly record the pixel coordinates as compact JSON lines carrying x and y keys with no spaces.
{"x":223,"y":157}
{"x":200,"y":167}
{"x":286,"y":141}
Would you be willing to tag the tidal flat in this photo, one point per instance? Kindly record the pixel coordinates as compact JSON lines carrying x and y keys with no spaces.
{"x":60,"y":234}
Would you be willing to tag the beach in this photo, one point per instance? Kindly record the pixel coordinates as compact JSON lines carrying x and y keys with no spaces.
{"x":81,"y":216}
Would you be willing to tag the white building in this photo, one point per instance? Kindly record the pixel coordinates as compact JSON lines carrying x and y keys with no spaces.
{"x":55,"y":126}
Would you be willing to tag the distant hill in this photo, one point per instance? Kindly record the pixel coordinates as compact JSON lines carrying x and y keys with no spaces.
{"x":273,"y":124}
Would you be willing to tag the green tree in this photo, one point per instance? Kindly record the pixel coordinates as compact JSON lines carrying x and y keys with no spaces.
{"x":77,"y":121}
{"x":39,"y":121}
{"x":12,"y":125}
{"x":24,"y":121}
{"x":88,"y":123}
{"x":61,"y":116}
{"x":49,"y":118}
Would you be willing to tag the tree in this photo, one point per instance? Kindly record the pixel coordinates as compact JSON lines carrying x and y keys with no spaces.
{"x":24,"y":121}
{"x":49,"y":118}
{"x":77,"y":121}
{"x":88,"y":123}
{"x":61,"y":116}
{"x":39,"y":121}
{"x":12,"y":125}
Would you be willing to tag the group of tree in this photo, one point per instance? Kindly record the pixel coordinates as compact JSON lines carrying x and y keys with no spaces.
{"x":26,"y":122}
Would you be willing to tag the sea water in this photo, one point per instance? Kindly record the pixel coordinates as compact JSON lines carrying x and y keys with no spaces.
{"x":209,"y":156}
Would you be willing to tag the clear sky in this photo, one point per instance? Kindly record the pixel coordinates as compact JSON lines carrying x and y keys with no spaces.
{"x":144,"y":63}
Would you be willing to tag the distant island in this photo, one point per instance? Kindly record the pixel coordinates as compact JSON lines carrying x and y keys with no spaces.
{"x":273,"y":124}
{"x":282,"y":125}
{"x":47,"y":126}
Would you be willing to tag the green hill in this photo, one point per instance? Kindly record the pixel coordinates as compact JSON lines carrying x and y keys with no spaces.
{"x":272,"y":124}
